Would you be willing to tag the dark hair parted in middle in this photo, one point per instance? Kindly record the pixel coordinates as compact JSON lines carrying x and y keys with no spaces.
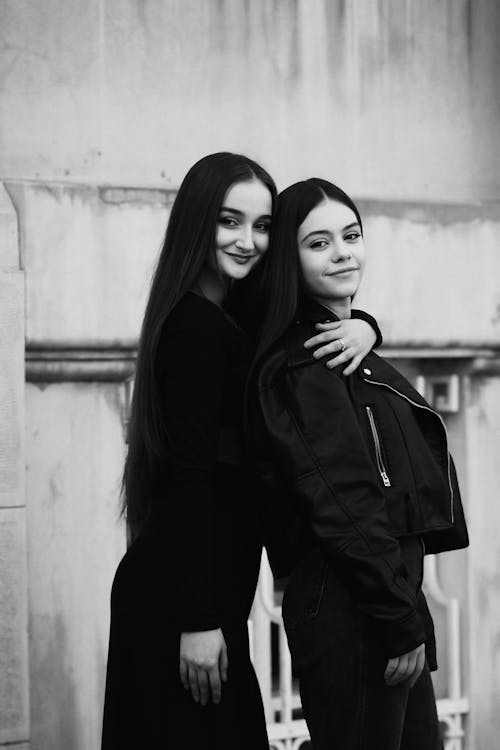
{"x":280,"y":269}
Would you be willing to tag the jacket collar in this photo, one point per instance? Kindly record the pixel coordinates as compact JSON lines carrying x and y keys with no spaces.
{"x":308,"y":313}
{"x":314,"y":312}
{"x":373,"y":369}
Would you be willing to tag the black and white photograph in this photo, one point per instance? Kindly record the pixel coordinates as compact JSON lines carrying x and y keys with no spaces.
{"x":249,"y":374}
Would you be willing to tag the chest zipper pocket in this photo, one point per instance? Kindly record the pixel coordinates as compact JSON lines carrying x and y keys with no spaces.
{"x":378,"y":449}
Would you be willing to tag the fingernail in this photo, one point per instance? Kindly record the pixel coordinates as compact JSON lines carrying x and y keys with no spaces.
{"x":307,"y":345}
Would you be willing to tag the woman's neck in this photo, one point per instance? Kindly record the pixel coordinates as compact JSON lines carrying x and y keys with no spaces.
{"x":341,"y":308}
{"x":211,"y":286}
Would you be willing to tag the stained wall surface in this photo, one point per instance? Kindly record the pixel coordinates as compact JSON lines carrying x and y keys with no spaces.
{"x":392,"y":98}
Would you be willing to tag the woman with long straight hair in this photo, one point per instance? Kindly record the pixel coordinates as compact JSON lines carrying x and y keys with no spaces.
{"x":179,"y":672}
{"x":361,"y":486}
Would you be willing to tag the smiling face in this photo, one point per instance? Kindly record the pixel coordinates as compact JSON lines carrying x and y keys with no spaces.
{"x":243,"y":225}
{"x":331,"y":252}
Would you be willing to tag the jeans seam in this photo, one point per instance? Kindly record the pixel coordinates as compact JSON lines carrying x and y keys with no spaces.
{"x":363,"y":683}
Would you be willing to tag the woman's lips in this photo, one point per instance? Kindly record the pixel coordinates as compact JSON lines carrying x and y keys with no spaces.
{"x":343,"y":271}
{"x":241,"y":258}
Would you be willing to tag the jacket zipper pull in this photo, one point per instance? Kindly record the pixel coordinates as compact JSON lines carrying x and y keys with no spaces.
{"x":378,"y":450}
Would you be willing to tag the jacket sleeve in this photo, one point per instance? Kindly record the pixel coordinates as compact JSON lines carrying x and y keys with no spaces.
{"x":319,"y":450}
{"x":191,"y":367}
{"x":362,"y":315}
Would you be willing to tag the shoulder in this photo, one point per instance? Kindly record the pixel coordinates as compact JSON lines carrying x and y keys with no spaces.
{"x":196,"y":316}
{"x":194,"y":311}
{"x":196,"y":328}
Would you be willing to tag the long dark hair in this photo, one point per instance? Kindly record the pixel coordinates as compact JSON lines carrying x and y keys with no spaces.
{"x":189,"y":240}
{"x":280,"y":272}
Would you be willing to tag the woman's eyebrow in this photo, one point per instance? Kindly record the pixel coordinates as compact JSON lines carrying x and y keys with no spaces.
{"x":232,"y":210}
{"x":241,"y":213}
{"x":316,"y":231}
{"x":327,"y":231}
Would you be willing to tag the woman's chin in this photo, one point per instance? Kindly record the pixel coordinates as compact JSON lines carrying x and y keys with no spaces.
{"x":340,"y":293}
{"x":237,"y":272}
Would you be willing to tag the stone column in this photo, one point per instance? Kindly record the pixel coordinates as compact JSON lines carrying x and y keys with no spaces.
{"x":14,"y":680}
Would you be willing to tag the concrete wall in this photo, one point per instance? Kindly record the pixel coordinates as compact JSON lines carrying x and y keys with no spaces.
{"x":391,"y":98}
{"x":104,"y":106}
{"x":90,"y":252}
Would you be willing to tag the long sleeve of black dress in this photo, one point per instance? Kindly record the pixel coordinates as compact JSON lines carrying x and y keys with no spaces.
{"x":192,"y":365}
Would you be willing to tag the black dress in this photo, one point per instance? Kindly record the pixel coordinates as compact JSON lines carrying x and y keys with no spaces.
{"x":195,"y":566}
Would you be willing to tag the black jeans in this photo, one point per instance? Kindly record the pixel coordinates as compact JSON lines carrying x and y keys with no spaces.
{"x":340,"y":665}
{"x":343,"y":713}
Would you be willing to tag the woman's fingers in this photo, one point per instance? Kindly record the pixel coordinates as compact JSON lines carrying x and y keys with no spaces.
{"x":183,"y":674}
{"x":193,"y":683}
{"x":333,"y":325}
{"x":322,"y":338}
{"x":405,"y":667}
{"x":354,"y":364}
{"x":391,"y":669}
{"x":331,"y":332}
{"x":223,"y":663}
{"x":418,"y":668}
{"x":400,"y":672}
{"x":333,"y":347}
{"x":410,"y":666}
{"x":203,"y":684}
{"x":214,"y":678}
{"x":340,"y":359}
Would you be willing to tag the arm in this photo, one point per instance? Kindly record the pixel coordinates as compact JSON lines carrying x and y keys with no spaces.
{"x":318,"y":448}
{"x":359,"y":334}
{"x":192,"y":384}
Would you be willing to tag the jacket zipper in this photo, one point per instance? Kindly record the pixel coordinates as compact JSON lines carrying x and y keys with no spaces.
{"x":445,"y":434}
{"x":378,"y":449}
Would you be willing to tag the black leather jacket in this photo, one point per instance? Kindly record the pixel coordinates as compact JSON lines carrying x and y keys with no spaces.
{"x":353,"y":463}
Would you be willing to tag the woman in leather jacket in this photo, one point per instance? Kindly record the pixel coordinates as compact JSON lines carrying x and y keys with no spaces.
{"x":360,"y":483}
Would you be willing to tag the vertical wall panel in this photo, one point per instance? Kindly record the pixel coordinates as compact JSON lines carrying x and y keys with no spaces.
{"x":74,"y":462}
{"x":14,"y":704}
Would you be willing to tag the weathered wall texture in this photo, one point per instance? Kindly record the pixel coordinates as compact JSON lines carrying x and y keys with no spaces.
{"x":392,"y":98}
{"x":105,"y":104}
{"x":90,"y":252}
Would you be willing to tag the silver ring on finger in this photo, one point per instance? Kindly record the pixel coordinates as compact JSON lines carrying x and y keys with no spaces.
{"x":342,"y":345}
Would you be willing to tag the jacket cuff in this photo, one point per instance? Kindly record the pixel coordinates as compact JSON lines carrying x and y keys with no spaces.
{"x":399,"y":638}
{"x":192,"y":626}
{"x":362,"y":315}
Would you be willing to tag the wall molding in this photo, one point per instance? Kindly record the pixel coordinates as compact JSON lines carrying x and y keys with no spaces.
{"x":56,"y":364}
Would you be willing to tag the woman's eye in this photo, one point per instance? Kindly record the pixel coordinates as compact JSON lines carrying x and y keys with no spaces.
{"x":318,"y":244}
{"x":262,"y":227}
{"x":228,"y":221}
{"x":352,"y":236}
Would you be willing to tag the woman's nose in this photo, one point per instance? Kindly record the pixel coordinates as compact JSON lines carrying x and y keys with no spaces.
{"x":341,"y":252}
{"x":245,"y":240}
